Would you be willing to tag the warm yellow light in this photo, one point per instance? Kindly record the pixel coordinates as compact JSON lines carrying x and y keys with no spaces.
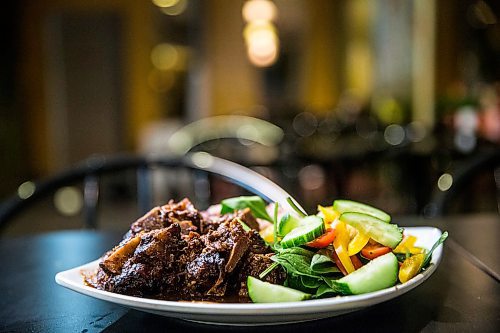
{"x":388,"y":110}
{"x":178,"y":8}
{"x":262,"y":44}
{"x":257,"y":29}
{"x":164,"y":56}
{"x":263,"y":56}
{"x":259,"y":10}
{"x":165,"y":3}
{"x":260,"y":33}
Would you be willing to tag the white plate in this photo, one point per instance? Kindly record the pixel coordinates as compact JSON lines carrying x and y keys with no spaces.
{"x":259,"y":314}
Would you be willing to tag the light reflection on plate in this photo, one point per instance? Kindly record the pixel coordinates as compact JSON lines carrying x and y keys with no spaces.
{"x":259,"y":314}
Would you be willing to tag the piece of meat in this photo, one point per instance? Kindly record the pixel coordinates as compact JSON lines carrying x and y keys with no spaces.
{"x":114,"y":260}
{"x":254,"y":264}
{"x":162,"y":258}
{"x":182,"y":212}
{"x":212,"y":218}
{"x":223,"y":248}
{"x":152,"y":269}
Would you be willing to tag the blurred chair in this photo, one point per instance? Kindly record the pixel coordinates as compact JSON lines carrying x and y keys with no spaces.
{"x":89,"y":177}
{"x":466,"y":194}
{"x":249,"y":140}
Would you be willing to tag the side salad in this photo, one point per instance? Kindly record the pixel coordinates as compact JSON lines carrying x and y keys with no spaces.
{"x":347,"y":248}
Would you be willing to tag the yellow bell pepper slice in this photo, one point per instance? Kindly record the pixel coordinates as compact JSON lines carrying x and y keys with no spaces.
{"x":329,"y":214}
{"x":357,"y":243}
{"x":411,"y":267}
{"x":407,"y":246}
{"x":268,"y":234}
{"x":340,"y":244}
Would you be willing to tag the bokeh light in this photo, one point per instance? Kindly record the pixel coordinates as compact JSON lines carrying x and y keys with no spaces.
{"x":164,"y":56}
{"x":68,"y":200}
{"x":178,"y":7}
{"x":311,"y":177}
{"x":26,"y":189}
{"x":416,"y":131}
{"x":259,"y":10}
{"x":260,"y":34}
{"x":394,"y":134}
{"x":165,"y":3}
{"x":305,"y":124}
{"x":445,"y":181}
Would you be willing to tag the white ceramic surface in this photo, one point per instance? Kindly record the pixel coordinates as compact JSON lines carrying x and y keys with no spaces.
{"x":259,"y":314}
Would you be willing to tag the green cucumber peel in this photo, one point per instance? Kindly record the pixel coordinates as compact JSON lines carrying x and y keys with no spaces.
{"x":349,"y":206}
{"x":265,"y":292}
{"x":387,"y":234}
{"x":309,"y":229}
{"x":286,"y":224}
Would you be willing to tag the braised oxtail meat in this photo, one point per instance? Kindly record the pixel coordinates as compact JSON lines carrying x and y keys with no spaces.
{"x":150,"y":270}
{"x":253,"y":265}
{"x":212,"y":218}
{"x":223,"y":250}
{"x":113,"y":261}
{"x":208,"y":261}
{"x":182,"y":212}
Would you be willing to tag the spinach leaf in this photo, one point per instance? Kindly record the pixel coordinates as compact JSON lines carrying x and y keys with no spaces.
{"x":255,"y":203}
{"x":330,"y":288}
{"x":295,"y":260}
{"x":299,"y":251}
{"x":310,"y":282}
{"x":325,"y":290}
{"x":294,"y":281}
{"x":295,"y":264}
{"x":299,"y":263}
{"x":322,"y":264}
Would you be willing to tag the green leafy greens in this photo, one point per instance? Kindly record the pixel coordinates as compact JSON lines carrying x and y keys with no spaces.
{"x":256,"y":204}
{"x":440,"y":241}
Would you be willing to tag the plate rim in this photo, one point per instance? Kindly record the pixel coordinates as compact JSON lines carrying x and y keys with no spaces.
{"x":332,"y":304}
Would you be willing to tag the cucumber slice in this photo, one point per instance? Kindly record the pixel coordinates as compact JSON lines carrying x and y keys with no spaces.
{"x":345,"y":206}
{"x":380,"y":273}
{"x":286,"y":224}
{"x":387,"y":234}
{"x":265,"y":292}
{"x":309,"y":229}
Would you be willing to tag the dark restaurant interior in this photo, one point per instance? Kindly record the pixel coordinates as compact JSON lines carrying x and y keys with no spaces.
{"x":378,"y":101}
{"x":392,"y":103}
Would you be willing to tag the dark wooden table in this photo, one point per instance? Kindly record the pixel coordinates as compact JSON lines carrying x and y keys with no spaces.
{"x":459,"y":297}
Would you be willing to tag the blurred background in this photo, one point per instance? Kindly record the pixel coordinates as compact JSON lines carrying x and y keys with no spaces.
{"x":380,"y":101}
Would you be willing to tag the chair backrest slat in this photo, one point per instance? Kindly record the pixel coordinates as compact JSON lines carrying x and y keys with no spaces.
{"x":90,"y":200}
